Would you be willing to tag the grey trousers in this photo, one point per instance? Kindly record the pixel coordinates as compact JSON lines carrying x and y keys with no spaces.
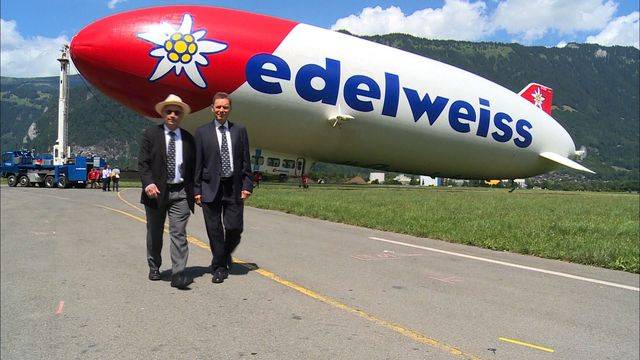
{"x":178,"y":209}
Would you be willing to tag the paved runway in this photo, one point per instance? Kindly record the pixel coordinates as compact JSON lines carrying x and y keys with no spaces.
{"x":74,"y":286}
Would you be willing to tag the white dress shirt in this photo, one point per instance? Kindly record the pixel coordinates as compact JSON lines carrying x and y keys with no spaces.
{"x":178,"y":137}
{"x":228,"y":136}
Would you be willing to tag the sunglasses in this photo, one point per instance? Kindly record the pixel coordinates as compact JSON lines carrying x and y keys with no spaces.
{"x":169,"y":111}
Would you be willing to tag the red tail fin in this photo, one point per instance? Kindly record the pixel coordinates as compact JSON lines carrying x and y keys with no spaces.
{"x":539,"y":95}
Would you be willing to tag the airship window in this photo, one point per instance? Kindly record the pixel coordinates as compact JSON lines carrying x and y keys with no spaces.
{"x":288,"y":164}
{"x":259,"y":162}
{"x":273,"y":162}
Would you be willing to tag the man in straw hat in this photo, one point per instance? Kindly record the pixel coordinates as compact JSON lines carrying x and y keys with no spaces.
{"x":223,"y":181}
{"x":166,"y":166}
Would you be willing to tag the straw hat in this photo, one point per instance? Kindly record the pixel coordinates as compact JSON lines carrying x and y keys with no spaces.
{"x":173,"y":100}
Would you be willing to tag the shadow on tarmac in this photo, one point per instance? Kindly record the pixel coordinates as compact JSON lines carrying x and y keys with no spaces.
{"x":199,"y":271}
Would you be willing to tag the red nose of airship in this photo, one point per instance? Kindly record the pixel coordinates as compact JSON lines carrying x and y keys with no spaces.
{"x":141,"y":56}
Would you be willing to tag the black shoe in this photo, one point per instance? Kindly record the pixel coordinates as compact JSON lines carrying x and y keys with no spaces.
{"x":218,"y":276}
{"x":180,"y":281}
{"x":154,"y":275}
{"x":224,"y":272}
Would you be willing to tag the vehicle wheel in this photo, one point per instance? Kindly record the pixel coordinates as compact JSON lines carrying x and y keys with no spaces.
{"x":12,"y":180}
{"x":63,"y":183}
{"x":49,"y":181}
{"x":24,"y":181}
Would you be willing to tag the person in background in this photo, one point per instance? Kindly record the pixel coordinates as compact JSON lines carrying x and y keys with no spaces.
{"x":257,"y":177}
{"x":115,"y":178}
{"x":94,"y":176}
{"x":106,"y":178}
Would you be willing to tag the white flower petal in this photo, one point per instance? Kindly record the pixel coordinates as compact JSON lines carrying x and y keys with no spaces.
{"x":164,"y":66}
{"x":200,"y":59}
{"x":156,"y":37}
{"x":185,"y":27}
{"x":199,"y":34}
{"x":194,"y":75}
{"x":206,"y":46}
{"x":159,"y":52}
{"x":179,"y":67}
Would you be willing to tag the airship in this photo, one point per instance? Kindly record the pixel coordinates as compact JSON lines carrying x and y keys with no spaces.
{"x":308,"y":94}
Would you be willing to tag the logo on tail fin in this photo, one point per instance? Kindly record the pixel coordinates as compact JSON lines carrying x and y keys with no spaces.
{"x":539,"y":95}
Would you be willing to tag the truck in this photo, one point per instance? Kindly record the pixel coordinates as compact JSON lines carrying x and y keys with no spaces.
{"x":59,"y":169}
{"x":25,"y":168}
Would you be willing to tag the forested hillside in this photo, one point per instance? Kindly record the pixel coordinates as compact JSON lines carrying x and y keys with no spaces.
{"x":596,"y":98}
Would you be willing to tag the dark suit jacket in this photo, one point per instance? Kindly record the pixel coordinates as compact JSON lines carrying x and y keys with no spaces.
{"x":152,"y":164}
{"x":209,"y":165}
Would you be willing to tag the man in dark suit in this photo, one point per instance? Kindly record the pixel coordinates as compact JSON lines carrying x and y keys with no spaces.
{"x":166,"y":166}
{"x":222,"y":183}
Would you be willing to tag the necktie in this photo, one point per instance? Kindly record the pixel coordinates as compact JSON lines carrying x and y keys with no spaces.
{"x":171,"y":157}
{"x":224,"y":153}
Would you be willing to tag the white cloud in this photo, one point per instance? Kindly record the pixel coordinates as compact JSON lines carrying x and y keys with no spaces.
{"x":457,"y":19}
{"x":561,"y":44}
{"x":30,"y":57}
{"x":620,"y":31}
{"x":532,"y":20}
{"x":112,"y":3}
{"x":523,"y":20}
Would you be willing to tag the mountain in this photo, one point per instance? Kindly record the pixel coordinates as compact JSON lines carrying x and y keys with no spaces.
{"x":97,"y":124}
{"x":596,"y":98}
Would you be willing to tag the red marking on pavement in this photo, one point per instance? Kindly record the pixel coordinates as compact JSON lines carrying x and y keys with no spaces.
{"x":60,"y":306}
{"x":444,"y":278}
{"x":385,"y":255}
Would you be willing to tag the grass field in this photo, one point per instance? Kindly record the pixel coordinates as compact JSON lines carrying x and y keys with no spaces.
{"x":600,"y":229}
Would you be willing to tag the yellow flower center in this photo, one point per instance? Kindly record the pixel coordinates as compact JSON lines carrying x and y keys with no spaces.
{"x":181,"y":47}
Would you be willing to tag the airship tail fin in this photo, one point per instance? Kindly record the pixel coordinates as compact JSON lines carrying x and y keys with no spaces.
{"x":564,"y":161}
{"x":539,"y":95}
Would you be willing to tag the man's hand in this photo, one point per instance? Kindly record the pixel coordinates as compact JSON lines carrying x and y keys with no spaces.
{"x":199,"y":200}
{"x":152,"y":191}
{"x":245,"y":195}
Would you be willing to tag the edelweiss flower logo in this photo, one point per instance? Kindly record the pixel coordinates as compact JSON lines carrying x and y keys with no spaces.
{"x":181,"y":50}
{"x":538,"y":99}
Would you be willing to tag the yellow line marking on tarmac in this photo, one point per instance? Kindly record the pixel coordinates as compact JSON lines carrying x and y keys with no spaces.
{"x":410,"y":333}
{"x":124,"y":213}
{"x":190,"y":238}
{"x":416,"y":336}
{"x":128,"y":203}
{"x":198,"y":243}
{"x":533,"y":346}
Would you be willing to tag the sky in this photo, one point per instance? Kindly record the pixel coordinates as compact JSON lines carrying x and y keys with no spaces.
{"x":32,"y":31}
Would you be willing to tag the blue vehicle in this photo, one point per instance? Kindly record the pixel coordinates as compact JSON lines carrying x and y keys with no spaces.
{"x":25,"y":168}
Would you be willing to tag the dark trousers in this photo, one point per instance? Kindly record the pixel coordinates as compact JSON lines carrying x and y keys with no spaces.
{"x":106,"y":184}
{"x":223,"y":219}
{"x":116,"y":184}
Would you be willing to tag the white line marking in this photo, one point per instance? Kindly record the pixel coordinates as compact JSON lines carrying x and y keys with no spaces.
{"x":504,"y":263}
